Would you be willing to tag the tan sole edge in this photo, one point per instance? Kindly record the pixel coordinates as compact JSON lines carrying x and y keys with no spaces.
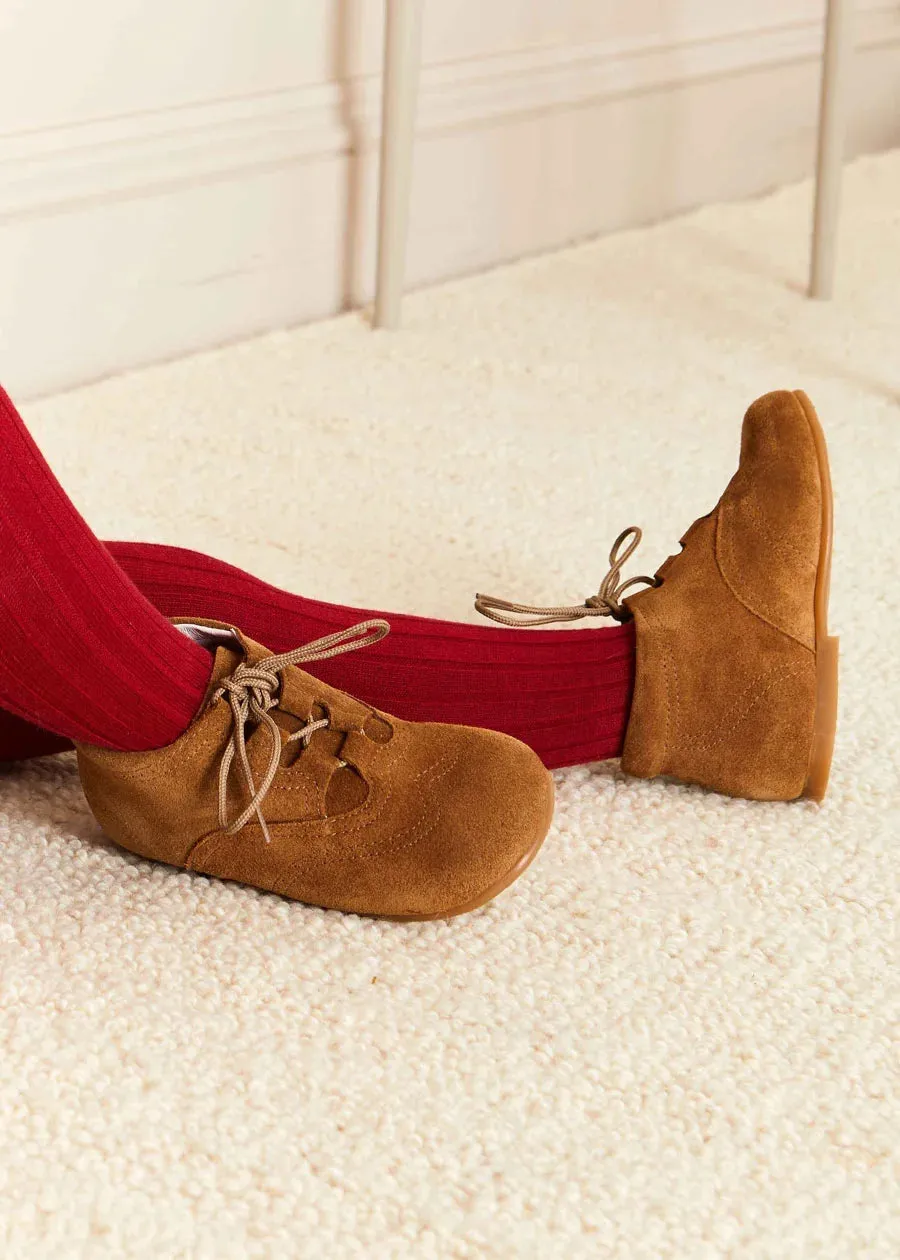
{"x":477,"y":902}
{"x":825,"y":720}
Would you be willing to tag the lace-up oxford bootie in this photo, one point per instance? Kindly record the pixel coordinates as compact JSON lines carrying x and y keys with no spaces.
{"x":736,"y":673}
{"x":287,"y":784}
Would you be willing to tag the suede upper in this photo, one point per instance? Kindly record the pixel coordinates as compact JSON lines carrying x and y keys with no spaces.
{"x":725,"y":686}
{"x":375,"y":815}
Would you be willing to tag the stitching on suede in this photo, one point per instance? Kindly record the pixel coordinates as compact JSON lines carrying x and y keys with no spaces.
{"x":785,"y":545}
{"x":774,"y":679}
{"x":298,"y":787}
{"x":362,"y":823}
{"x":365,"y":819}
{"x":427,"y":825}
{"x":722,"y":540}
{"x":392,"y":846}
{"x":365,"y":813}
{"x":777,"y":544}
{"x":760,"y":527}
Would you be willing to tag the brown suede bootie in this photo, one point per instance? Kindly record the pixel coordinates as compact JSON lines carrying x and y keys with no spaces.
{"x":736,"y":674}
{"x":284,"y":783}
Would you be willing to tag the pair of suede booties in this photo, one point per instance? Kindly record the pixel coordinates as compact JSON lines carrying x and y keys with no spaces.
{"x":291,"y":786}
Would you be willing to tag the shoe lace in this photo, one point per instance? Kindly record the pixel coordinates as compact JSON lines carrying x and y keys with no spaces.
{"x":252,"y":690}
{"x":606,"y":603}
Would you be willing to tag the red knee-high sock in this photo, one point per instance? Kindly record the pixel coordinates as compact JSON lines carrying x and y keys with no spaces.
{"x":566,"y":693}
{"x":82,"y":651}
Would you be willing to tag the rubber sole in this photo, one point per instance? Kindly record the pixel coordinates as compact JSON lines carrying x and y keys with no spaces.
{"x":825,"y":720}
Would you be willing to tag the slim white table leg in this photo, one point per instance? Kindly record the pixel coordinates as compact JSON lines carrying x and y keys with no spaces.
{"x":833,"y":112}
{"x":402,"y":51}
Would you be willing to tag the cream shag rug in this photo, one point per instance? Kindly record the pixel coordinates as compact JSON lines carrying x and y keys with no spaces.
{"x":677,"y":1036}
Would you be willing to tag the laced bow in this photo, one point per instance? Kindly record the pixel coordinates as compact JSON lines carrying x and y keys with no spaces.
{"x":252,"y":690}
{"x":606,"y":603}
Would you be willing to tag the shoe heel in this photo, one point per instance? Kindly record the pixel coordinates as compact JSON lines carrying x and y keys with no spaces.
{"x":825,"y":719}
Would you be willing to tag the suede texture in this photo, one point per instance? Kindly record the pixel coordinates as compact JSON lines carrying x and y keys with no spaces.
{"x":725,"y":684}
{"x":376,"y":816}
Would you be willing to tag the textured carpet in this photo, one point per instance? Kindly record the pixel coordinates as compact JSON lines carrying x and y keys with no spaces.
{"x":677,"y":1036}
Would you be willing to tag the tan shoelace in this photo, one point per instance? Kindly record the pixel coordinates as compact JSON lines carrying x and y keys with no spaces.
{"x":252,"y":690}
{"x":606,"y":603}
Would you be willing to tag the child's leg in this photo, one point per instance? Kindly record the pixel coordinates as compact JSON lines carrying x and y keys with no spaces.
{"x":566,"y":693}
{"x":82,"y":651}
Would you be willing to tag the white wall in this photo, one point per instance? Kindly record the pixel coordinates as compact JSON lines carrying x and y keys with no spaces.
{"x":177,"y":175}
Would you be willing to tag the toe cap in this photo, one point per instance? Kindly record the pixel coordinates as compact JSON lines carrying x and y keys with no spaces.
{"x":482,"y":825}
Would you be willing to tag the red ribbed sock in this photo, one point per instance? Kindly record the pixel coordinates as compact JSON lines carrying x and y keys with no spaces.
{"x":564,"y":692}
{"x":82,"y":652}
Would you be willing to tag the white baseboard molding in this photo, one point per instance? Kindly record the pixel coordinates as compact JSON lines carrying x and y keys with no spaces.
{"x":128,"y":240}
{"x":58,"y":167}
